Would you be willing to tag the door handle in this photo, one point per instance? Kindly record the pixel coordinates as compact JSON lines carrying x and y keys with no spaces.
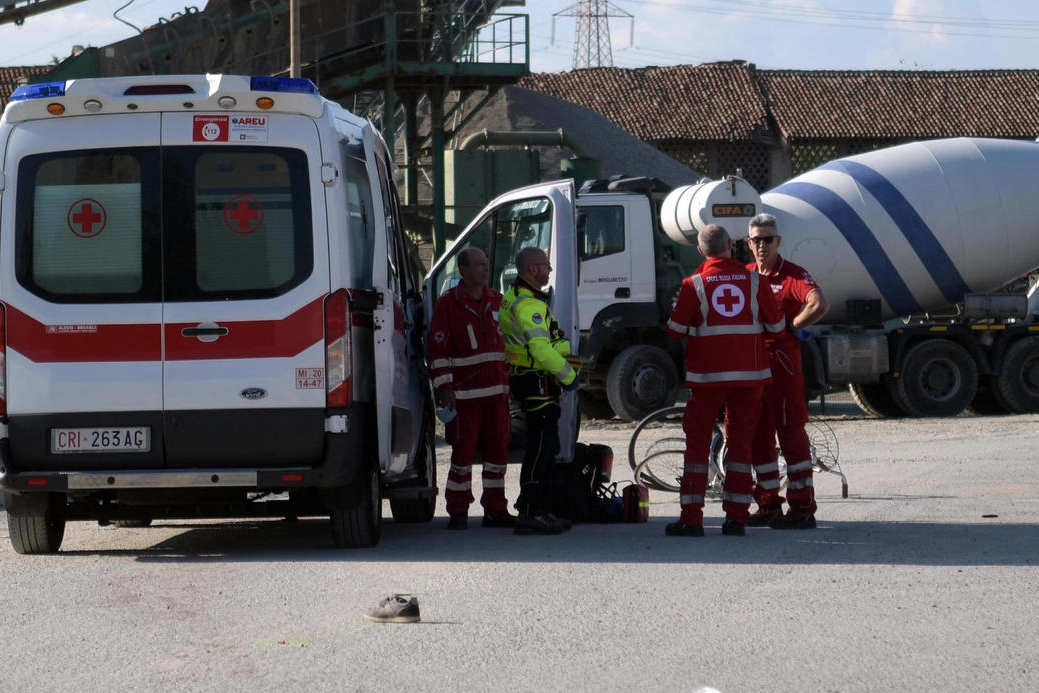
{"x":205,"y":332}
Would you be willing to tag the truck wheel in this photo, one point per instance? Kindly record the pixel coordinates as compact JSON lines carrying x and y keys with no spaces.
{"x":39,"y":529}
{"x":420,"y":509}
{"x":594,"y":405}
{"x":356,"y":514}
{"x":641,"y":380}
{"x":987,"y":400}
{"x":875,"y":399}
{"x":1019,"y":377}
{"x":939,"y":378}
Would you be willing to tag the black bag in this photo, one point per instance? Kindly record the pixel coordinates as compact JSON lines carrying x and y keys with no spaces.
{"x":576,"y":485}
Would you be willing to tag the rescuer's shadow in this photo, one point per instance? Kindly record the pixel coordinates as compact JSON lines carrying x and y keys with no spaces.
{"x":986,"y":542}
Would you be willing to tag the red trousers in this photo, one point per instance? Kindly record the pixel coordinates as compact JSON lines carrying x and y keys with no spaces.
{"x":705,"y":404}
{"x":480,"y":424}
{"x":784,"y":414}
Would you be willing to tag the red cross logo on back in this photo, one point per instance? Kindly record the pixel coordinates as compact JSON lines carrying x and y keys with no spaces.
{"x":86,"y":218}
{"x":728,"y":300}
{"x":243,"y":214}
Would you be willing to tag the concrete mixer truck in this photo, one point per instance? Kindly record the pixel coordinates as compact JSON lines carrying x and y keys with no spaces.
{"x":915,"y":247}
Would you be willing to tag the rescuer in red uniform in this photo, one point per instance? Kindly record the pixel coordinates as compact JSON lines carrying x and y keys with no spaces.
{"x":721,"y":311}
{"x":784,"y":412}
{"x":468,"y":368}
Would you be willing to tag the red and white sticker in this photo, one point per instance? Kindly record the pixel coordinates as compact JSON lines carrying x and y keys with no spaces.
{"x":211,"y":128}
{"x":310,"y":378}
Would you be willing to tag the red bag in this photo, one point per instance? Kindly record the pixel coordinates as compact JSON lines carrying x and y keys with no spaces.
{"x":636,"y":503}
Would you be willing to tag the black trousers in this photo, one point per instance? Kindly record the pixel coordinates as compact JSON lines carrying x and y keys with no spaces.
{"x":539,"y":458}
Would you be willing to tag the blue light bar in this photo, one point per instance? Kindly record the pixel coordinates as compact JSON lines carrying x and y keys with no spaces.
{"x":43,"y":90}
{"x":285,"y":85}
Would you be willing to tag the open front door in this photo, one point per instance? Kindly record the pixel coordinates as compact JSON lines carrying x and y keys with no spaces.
{"x":539,"y":215}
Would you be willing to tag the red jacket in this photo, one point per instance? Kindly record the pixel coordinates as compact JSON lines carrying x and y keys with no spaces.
{"x":791,"y":285}
{"x":723,"y":309}
{"x":466,"y":349}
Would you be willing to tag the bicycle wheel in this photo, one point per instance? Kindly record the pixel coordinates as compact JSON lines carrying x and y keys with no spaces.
{"x":656,"y":452}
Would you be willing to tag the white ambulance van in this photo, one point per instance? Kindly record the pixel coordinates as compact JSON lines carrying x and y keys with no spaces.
{"x":209,"y":309}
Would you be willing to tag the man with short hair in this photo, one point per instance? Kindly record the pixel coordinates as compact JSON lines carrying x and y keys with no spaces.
{"x":721,"y":311}
{"x":784,"y":412}
{"x":538,"y":372}
{"x":467,"y":366}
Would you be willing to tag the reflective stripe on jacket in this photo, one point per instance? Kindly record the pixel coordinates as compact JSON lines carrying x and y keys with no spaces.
{"x":466,"y":349}
{"x":527,"y":326}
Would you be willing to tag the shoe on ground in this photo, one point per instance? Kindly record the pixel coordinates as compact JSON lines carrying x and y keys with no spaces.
{"x":498,"y":518}
{"x":566,"y":523}
{"x":731,"y":528}
{"x":458,"y":522}
{"x":793,"y":520}
{"x":537,"y":524}
{"x":400,"y":608}
{"x":680,"y":529}
{"x":764,"y":515}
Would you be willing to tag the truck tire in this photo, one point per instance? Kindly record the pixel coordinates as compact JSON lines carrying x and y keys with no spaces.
{"x":1018,"y":380}
{"x":38,"y":530}
{"x":594,"y":404}
{"x":875,"y":399}
{"x":939,"y":378}
{"x":641,"y":380}
{"x":420,"y":509}
{"x":356,"y":514}
{"x":987,"y":400}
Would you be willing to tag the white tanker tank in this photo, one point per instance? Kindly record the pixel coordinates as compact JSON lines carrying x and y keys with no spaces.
{"x":909,"y":230}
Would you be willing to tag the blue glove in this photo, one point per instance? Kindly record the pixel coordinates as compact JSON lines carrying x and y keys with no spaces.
{"x":573,"y":386}
{"x":802,"y":335}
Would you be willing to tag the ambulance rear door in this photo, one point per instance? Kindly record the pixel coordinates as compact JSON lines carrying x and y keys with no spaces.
{"x":81,"y":283}
{"x":246,"y":275}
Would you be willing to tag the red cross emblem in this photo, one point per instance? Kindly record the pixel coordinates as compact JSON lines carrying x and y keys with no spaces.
{"x":728,"y":300}
{"x":86,"y":218}
{"x":243,"y":214}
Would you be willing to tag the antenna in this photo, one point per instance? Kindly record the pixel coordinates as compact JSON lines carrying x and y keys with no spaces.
{"x":592,"y":37}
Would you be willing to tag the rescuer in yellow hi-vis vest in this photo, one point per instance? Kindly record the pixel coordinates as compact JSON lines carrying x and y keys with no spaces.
{"x":536,"y":349}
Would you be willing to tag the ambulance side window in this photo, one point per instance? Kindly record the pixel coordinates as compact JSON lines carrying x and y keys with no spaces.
{"x":360,"y":214}
{"x":87,"y":225}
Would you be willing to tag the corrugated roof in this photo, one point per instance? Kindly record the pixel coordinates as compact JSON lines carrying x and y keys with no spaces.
{"x":726,"y":101}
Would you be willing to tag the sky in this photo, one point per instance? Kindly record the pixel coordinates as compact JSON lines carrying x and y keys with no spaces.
{"x":782,"y":34}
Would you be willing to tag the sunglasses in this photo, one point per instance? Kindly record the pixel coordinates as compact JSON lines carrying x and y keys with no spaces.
{"x":758,"y":240}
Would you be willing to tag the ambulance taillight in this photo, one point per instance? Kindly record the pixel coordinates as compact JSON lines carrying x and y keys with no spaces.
{"x":338,"y":356}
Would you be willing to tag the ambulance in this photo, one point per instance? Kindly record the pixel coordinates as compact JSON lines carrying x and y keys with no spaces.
{"x":209,"y":309}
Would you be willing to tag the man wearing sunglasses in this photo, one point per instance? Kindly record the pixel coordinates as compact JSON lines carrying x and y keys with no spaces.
{"x":784,"y":412}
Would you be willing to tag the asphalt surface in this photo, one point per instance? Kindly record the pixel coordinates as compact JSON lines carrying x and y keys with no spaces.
{"x":922,"y":579}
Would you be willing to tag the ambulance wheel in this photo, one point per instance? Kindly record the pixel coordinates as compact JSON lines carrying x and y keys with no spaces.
{"x":641,"y":380}
{"x":939,"y":378}
{"x":1019,"y":377}
{"x":356,"y":514}
{"x":36,"y":527}
{"x":420,"y":509}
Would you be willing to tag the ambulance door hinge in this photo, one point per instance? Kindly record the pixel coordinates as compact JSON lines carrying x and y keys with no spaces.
{"x":329,"y":174}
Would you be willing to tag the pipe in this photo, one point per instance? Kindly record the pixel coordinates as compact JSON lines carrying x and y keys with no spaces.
{"x":543,"y":138}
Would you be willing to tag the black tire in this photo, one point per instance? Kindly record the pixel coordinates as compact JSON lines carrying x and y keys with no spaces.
{"x":939,"y":378}
{"x":132,"y":524}
{"x":656,"y":452}
{"x":641,"y":380}
{"x":1018,"y":380}
{"x":594,"y":404}
{"x":987,"y":400}
{"x":37,"y":532}
{"x":414,"y":510}
{"x":356,"y":515}
{"x":875,"y":399}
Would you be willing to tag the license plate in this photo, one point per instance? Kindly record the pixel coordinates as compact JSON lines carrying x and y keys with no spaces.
{"x":118,"y":439}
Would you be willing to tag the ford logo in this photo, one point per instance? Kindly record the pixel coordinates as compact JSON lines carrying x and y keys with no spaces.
{"x":253,"y":393}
